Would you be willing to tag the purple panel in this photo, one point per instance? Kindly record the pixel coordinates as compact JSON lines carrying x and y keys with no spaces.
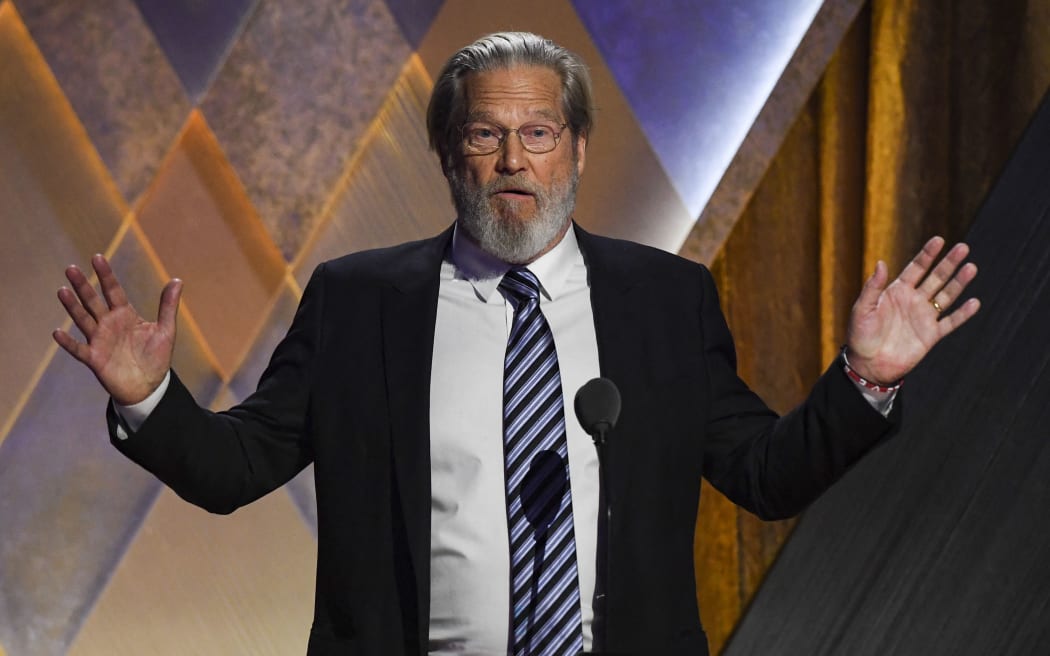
{"x":414,"y":17}
{"x":304,"y":494}
{"x":69,"y":505}
{"x":195,"y":35}
{"x":696,"y":74}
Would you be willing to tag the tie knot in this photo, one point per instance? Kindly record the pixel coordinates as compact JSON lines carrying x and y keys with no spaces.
{"x":520,"y":286}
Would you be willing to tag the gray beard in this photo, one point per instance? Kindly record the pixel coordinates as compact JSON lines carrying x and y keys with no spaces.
{"x":489,"y":223}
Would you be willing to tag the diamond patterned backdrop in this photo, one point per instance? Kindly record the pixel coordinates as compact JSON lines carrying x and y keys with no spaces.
{"x":236,"y":145}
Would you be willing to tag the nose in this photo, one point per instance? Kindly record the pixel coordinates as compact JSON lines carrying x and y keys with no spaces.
{"x":512,"y":157}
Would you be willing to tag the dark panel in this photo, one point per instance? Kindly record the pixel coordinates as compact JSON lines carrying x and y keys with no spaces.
{"x":414,"y":17}
{"x":938,"y":542}
{"x":194,"y":35}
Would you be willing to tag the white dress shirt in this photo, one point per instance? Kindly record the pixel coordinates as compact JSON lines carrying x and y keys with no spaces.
{"x":469,"y":548}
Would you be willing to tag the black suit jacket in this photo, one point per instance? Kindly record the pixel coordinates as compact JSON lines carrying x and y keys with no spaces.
{"x":348,"y":389}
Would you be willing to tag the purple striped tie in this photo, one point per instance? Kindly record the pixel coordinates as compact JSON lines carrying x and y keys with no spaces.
{"x":545,"y":591}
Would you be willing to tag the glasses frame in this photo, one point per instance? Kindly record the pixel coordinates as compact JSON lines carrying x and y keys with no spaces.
{"x":506,"y":133}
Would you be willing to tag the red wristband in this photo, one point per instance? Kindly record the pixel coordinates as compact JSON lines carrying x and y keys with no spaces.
{"x":865,"y":383}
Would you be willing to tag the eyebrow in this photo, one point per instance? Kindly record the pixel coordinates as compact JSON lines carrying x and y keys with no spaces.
{"x":488,"y":117}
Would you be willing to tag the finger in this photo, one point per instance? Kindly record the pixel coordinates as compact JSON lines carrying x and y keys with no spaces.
{"x":950,"y":322}
{"x":954,"y":289}
{"x":108,"y":283}
{"x":873,"y":286}
{"x":168,"y":311}
{"x":70,"y":345}
{"x":84,"y":321}
{"x":944,"y":270}
{"x":90,"y":299}
{"x":915,"y":270}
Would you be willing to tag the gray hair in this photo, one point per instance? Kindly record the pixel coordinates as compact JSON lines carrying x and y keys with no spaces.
{"x":447,"y":109}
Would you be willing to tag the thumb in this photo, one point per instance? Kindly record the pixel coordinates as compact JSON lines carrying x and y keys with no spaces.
{"x":168,"y":311}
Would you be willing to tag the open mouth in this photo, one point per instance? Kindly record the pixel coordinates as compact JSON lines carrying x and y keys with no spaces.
{"x":513,"y":194}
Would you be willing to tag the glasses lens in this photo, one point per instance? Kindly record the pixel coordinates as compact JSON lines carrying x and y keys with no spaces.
{"x":539,"y":137}
{"x":482,"y":137}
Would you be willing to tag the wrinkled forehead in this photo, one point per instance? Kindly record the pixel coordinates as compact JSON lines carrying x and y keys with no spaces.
{"x":519,"y":93}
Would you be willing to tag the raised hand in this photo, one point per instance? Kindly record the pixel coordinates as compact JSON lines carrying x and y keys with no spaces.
{"x":893,"y":327}
{"x":129,"y":355}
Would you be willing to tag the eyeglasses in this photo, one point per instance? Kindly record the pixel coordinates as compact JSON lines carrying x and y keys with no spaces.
{"x":485,"y":138}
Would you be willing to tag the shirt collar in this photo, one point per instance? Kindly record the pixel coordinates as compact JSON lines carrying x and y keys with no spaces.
{"x":484,"y":272}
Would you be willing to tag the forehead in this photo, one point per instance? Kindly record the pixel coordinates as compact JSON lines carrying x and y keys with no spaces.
{"x":521,"y":92}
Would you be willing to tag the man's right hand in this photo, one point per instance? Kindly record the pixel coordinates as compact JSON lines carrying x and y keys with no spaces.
{"x":129,"y":355}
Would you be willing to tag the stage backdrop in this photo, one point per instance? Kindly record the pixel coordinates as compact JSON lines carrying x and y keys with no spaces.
{"x":238,"y":144}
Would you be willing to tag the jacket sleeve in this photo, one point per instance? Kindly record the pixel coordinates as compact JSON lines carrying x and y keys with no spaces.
{"x":223,"y":460}
{"x":776,"y":466}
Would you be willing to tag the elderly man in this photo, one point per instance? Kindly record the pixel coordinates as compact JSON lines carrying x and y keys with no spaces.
{"x":458,"y":509}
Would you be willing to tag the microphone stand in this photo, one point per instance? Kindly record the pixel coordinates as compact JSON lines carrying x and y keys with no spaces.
{"x":605,"y":494}
{"x":597,"y":408}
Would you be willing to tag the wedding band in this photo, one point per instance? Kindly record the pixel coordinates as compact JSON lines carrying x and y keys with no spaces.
{"x":936,"y":305}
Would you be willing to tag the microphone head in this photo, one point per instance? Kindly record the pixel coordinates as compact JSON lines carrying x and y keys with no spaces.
{"x":598,"y":406}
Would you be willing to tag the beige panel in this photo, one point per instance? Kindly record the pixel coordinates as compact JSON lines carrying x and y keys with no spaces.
{"x":142,"y":277}
{"x":194,"y":583}
{"x":625,"y":191}
{"x":57,"y":206}
{"x":393,"y":191}
{"x":204,"y":230}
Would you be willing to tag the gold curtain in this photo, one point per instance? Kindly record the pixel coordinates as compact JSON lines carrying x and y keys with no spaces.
{"x":902,"y":139}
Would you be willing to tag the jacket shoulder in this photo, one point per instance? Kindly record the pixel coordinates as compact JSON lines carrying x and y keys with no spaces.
{"x":397,"y":265}
{"x":638,"y":261}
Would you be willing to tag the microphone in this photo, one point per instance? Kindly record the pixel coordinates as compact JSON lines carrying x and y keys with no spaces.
{"x":598,"y":407}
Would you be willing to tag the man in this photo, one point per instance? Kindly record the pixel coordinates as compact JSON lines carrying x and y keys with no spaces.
{"x":457,"y":508}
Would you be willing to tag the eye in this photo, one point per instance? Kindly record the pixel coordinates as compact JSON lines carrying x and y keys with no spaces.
{"x":538,"y":131}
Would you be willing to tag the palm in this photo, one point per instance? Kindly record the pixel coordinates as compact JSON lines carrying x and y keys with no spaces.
{"x":129,"y":355}
{"x":893,"y":327}
{"x":126,"y":347}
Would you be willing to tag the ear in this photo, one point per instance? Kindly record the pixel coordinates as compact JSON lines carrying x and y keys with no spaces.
{"x":449,"y":162}
{"x":581,"y":152}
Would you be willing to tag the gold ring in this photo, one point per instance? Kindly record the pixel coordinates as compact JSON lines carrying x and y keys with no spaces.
{"x":936,"y":305}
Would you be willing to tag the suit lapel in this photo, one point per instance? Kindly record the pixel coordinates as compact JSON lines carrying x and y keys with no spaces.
{"x":619,"y":304}
{"x":611,"y":294}
{"x":409,"y":312}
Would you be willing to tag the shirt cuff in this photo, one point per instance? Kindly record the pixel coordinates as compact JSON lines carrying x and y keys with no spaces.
{"x":881,"y":401}
{"x":133,"y":416}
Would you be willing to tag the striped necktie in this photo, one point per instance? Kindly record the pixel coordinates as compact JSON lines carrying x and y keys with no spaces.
{"x":545,"y":591}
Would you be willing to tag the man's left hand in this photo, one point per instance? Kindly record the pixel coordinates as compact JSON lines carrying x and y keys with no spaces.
{"x":892,"y":328}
